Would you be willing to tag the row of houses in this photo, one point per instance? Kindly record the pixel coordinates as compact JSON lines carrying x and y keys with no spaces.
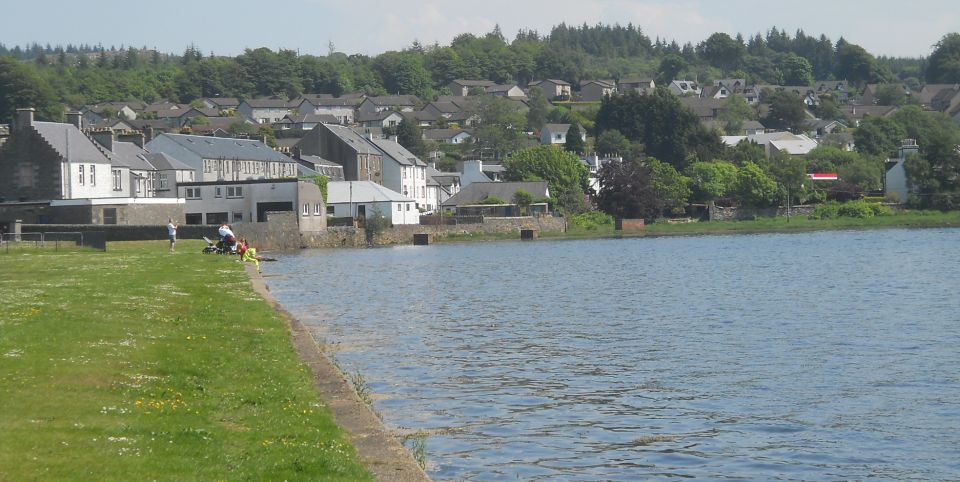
{"x":64,"y":173}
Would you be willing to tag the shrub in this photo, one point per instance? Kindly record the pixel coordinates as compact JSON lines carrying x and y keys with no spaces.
{"x":830,"y":210}
{"x":492,"y":200}
{"x":592,"y":220}
{"x":856,"y":209}
{"x":881,"y":210}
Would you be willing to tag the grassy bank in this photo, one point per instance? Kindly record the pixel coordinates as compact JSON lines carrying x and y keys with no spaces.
{"x":137,"y":364}
{"x":783,"y":224}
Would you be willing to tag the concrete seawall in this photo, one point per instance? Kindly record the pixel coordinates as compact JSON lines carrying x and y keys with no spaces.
{"x":380,"y":452}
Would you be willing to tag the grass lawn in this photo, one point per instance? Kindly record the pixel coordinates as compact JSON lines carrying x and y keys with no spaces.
{"x":138,"y":364}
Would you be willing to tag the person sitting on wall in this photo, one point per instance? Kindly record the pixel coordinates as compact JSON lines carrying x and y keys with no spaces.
{"x":249,"y":253}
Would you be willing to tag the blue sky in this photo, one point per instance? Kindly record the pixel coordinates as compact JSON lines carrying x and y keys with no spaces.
{"x":883,"y":27}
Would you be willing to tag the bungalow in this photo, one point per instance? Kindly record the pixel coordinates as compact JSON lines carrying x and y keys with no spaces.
{"x":264,"y":111}
{"x":511,"y":91}
{"x":221,"y":103}
{"x":854,"y":114}
{"x":557,"y":134}
{"x":303,"y":122}
{"x":447,"y":136}
{"x":422,"y":118}
{"x":468,"y":202}
{"x":684,"y":87}
{"x":359,"y":199}
{"x":640,"y":86}
{"x":387,"y":118}
{"x":554,"y":89}
{"x":596,"y":90}
{"x":464,"y":87}
{"x":399,"y":103}
{"x":776,"y":142}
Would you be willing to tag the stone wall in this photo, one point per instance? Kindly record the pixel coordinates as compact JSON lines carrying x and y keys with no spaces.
{"x":282,"y":231}
{"x":744,"y":213}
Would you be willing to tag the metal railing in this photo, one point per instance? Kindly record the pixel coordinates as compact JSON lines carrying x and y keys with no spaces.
{"x":53,"y":240}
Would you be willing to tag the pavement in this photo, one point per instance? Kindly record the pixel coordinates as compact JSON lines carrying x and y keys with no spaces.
{"x":381,"y":453}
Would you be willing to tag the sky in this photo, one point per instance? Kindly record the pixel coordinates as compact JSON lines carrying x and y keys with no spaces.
{"x":883,"y":27}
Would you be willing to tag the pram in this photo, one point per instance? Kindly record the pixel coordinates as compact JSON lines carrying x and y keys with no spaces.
{"x":220,"y":247}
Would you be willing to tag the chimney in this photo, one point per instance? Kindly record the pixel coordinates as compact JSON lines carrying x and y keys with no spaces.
{"x":25,"y":117}
{"x":104,"y":138}
{"x":295,"y":152}
{"x":76,"y":119}
{"x":395,"y":139}
{"x":148,"y":133}
{"x":132,"y":136}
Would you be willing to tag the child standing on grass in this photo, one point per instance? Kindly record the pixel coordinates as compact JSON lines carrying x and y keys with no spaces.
{"x":172,"y":234}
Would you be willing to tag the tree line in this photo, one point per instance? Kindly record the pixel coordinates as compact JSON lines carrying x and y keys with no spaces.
{"x":78,"y":75}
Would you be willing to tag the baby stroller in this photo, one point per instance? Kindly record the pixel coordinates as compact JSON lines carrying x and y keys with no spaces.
{"x":220,"y":247}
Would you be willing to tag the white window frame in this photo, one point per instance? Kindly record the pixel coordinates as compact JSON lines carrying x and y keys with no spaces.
{"x":81,"y":174}
{"x":93,"y":175}
{"x":316,"y":209}
{"x":234,"y":192}
{"x":306,"y":209}
{"x":117,"y":180}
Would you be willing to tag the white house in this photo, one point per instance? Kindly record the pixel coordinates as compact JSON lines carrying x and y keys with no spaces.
{"x":363,"y":198}
{"x":403,"y":172}
{"x":557,"y":134}
{"x":447,"y":136}
{"x":896,"y":177}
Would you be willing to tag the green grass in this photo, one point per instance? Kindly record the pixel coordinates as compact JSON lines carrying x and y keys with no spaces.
{"x":780,"y":224}
{"x":137,"y":364}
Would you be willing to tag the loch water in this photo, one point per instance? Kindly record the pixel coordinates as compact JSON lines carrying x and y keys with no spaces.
{"x":813,"y":356}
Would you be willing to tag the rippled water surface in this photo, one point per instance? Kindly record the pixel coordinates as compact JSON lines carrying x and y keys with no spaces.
{"x":823,"y":356}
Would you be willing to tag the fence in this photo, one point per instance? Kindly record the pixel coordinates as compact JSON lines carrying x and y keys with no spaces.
{"x":64,"y":240}
{"x":450,"y":220}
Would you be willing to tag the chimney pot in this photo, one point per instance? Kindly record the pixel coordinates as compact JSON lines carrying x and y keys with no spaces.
{"x":76,"y":119}
{"x":25,"y":117}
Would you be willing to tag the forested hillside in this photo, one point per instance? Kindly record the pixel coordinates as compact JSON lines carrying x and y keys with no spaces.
{"x":78,"y":75}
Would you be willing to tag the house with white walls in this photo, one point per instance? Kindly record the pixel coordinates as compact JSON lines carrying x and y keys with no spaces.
{"x":359,"y":199}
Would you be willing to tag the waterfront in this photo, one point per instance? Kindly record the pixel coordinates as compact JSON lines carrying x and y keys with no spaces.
{"x":817,"y":356}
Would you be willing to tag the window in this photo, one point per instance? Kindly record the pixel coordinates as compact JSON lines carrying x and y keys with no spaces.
{"x":192,"y":193}
{"x":93,"y":175}
{"x":117,"y":180}
{"x":194,"y":218}
{"x":237,"y":217}
{"x":162,"y":182}
{"x":81,"y":174}
{"x":109,"y":215}
{"x":331,"y":211}
{"x":408,"y":206}
{"x":316,"y":209}
{"x":234,"y":191}
{"x":217,"y":218}
{"x":218,"y":191}
{"x":306,"y":209}
{"x":404,"y":173}
{"x":399,"y":207}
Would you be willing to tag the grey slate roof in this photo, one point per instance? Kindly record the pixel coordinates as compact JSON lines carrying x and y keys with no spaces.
{"x":70,"y":143}
{"x":361,"y":192}
{"x":267,"y":103}
{"x":128,"y":154}
{"x":224,"y":102}
{"x":392,"y":100}
{"x":397,"y":152}
{"x":475,"y":192}
{"x":164,"y":162}
{"x":226,"y":148}
{"x":441,"y":134}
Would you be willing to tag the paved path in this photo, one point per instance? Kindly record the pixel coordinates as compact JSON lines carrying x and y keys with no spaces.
{"x":380,"y":452}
